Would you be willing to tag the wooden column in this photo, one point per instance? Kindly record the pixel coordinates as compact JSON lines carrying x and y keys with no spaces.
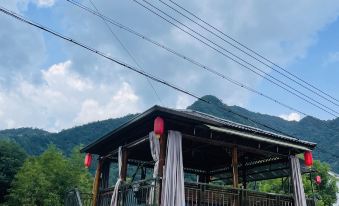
{"x":235,"y":176}
{"x":244,"y":175}
{"x":124,"y":164}
{"x":96,"y":183}
{"x":162,"y":157}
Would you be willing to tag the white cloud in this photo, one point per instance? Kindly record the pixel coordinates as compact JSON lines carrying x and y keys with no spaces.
{"x":63,"y":100}
{"x":23,"y":48}
{"x":183,"y":101}
{"x":121,"y":103}
{"x":332,"y":57}
{"x":291,"y":117}
{"x":45,"y":3}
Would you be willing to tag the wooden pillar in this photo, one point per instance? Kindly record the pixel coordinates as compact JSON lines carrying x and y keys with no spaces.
{"x":124,"y":164}
{"x":235,"y":176}
{"x":96,"y":183}
{"x":162,"y":157}
{"x":244,"y":175}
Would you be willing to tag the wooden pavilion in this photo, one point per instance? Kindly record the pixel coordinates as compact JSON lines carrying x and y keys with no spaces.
{"x":220,"y":160}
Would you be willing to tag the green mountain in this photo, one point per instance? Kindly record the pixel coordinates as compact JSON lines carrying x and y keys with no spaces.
{"x":325,"y":133}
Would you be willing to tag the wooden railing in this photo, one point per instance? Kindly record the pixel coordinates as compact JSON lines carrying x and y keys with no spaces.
{"x":136,"y":193}
{"x":196,"y":194}
{"x":76,"y":198}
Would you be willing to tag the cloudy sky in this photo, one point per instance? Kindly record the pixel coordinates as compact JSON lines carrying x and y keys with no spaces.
{"x":48,"y":83}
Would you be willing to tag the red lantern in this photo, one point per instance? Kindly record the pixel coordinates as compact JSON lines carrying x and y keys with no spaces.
{"x":317,"y":180}
{"x":159,"y":127}
{"x":308,"y":158}
{"x":88,"y":160}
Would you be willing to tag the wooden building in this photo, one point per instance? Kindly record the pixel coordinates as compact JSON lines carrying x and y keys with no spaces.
{"x":219,"y":160}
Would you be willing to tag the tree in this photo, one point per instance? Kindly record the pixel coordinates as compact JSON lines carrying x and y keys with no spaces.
{"x":325,"y":193}
{"x":44,"y":180}
{"x":12,"y":157}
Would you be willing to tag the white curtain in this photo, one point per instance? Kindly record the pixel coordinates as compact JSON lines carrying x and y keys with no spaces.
{"x":173,"y":183}
{"x":114,"y":200}
{"x":298,"y":187}
{"x":155,"y":151}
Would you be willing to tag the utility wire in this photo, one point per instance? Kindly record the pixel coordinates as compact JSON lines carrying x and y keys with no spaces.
{"x":300,"y":95}
{"x":127,"y":51}
{"x":132,"y":68}
{"x":293,"y":78}
{"x":125,"y":65}
{"x":251,"y":50}
{"x":325,"y":151}
{"x":194,"y":62}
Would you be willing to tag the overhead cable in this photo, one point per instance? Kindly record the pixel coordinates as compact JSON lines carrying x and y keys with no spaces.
{"x":243,"y":62}
{"x":127,"y":51}
{"x":251,"y":50}
{"x":254,"y":55}
{"x":132,"y":68}
{"x":194,"y":62}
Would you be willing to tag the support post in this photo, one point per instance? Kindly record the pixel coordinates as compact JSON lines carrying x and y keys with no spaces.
{"x":235,"y":167}
{"x":235,"y":176}
{"x":96,"y":183}
{"x":124,"y":164}
{"x":244,"y":175}
{"x":161,"y":164}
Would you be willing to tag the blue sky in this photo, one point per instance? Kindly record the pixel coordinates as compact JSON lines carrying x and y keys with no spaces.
{"x":50,"y":84}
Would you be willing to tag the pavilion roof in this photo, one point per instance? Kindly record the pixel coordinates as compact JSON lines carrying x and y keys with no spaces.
{"x":142,"y":124}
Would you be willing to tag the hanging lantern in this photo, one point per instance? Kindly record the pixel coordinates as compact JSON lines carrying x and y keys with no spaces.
{"x":308,"y":158}
{"x":88,"y":160}
{"x":317,"y":180}
{"x":159,"y":127}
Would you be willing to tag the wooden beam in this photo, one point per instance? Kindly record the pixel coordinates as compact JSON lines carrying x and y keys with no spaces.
{"x":228,"y":144}
{"x":96,"y":183}
{"x":124,"y":164}
{"x":235,"y":176}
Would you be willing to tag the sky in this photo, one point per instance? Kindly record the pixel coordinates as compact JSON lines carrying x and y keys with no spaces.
{"x":51,"y":84}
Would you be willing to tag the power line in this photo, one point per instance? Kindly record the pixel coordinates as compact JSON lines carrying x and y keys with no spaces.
{"x":107,"y":19}
{"x":289,"y":89}
{"x":249,"y":49}
{"x":137,"y":70}
{"x":127,"y":51}
{"x":319,"y":148}
{"x":132,"y":68}
{"x":255,"y":53}
{"x":194,"y":62}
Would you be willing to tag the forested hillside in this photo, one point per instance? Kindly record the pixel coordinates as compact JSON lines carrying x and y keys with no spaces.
{"x":325,"y":133}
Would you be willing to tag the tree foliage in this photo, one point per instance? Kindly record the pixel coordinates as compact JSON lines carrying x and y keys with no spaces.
{"x":12,"y":157}
{"x":45,"y":179}
{"x":325,"y":193}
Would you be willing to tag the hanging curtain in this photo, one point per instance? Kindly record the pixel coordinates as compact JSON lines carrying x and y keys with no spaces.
{"x":173,"y":182}
{"x":114,"y":200}
{"x":298,"y":187}
{"x":155,"y":151}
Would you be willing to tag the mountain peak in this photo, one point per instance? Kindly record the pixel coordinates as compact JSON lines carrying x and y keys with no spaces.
{"x":212,"y":99}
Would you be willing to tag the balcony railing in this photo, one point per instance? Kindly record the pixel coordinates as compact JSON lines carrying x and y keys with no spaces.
{"x":144,"y":193}
{"x":76,"y":198}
